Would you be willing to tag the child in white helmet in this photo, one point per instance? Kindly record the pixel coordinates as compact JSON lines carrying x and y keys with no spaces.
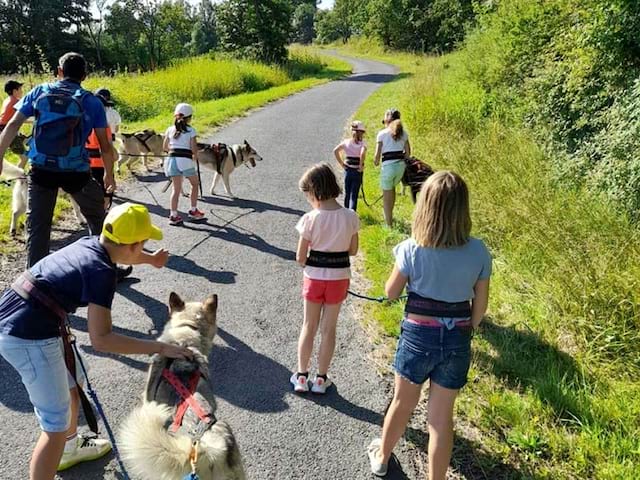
{"x":180,"y":141}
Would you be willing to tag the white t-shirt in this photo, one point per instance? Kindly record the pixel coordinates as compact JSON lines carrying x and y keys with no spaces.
{"x":391,"y":145}
{"x":328,"y":231}
{"x":183,"y":142}
{"x":113,"y":118}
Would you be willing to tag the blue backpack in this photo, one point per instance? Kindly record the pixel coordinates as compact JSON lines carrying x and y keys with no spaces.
{"x":57,"y":143}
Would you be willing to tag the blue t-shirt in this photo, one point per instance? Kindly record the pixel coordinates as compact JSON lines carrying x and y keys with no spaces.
{"x":75,"y":276}
{"x":444,"y":274}
{"x":94,"y":114}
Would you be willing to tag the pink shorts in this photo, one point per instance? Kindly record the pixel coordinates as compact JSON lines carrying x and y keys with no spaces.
{"x":330,"y":292}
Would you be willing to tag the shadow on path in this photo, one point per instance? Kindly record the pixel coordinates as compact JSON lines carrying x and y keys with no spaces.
{"x":255,"y":205}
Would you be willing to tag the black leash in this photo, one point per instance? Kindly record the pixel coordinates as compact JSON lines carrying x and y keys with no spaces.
{"x":380,"y":299}
{"x":364,"y":197}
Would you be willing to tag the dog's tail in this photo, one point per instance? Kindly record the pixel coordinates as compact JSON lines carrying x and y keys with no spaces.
{"x":146,"y":446}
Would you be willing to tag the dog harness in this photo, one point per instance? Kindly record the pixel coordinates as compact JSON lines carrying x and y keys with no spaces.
{"x":328,"y":259}
{"x":435,"y":308}
{"x":353,"y":162}
{"x":181,"y":153}
{"x":28,"y":288}
{"x":142,"y":137}
{"x":388,"y":156}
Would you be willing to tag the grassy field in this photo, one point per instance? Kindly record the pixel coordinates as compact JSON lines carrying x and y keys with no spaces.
{"x":219,"y":89}
{"x":553,"y":390}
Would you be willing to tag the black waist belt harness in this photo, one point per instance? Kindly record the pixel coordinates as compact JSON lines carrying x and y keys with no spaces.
{"x":328,"y":259}
{"x":181,"y":152}
{"x":94,"y":152}
{"x":353,"y":161}
{"x":435,"y":308}
{"x":392,"y":156}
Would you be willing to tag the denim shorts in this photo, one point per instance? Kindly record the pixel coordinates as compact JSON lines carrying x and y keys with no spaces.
{"x":42,"y":369}
{"x":179,"y":167}
{"x":391,"y":174}
{"x":439,"y":354}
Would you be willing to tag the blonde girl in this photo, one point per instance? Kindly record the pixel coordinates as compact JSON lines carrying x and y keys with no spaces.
{"x":328,"y":237}
{"x":392,"y":147}
{"x":446,"y":273}
{"x":354,"y":150}
{"x":181,"y":143}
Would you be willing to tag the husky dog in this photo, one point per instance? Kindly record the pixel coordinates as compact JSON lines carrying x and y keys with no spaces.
{"x":223,"y":160}
{"x":145,"y":144}
{"x":150,"y":446}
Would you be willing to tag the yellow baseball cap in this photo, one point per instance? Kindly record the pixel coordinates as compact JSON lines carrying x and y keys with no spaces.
{"x":130,"y":223}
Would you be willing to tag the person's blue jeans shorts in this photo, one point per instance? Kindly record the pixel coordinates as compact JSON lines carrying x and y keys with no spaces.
{"x":179,"y":167}
{"x":439,"y":354}
{"x":391,"y":174}
{"x":41,"y":366}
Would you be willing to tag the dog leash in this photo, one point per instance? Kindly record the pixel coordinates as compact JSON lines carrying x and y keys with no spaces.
{"x":380,"y":299}
{"x":100,"y":410}
{"x":364,"y":197}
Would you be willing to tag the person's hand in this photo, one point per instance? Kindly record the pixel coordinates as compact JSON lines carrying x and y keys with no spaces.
{"x":109,"y":182}
{"x":159,"y":258}
{"x":361,"y":168}
{"x":175,"y":351}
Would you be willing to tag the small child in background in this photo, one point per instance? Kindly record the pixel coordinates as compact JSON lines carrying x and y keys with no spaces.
{"x":354,"y":150}
{"x":180,"y":141}
{"x":113,"y":117}
{"x":14,"y":90}
{"x":328,"y":237}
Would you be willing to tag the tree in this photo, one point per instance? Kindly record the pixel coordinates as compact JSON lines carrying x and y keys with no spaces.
{"x":95,"y":28}
{"x":204,"y":36}
{"x":256,"y":29}
{"x":302,"y":23}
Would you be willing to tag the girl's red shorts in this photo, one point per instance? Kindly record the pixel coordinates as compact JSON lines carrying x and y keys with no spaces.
{"x":330,"y":292}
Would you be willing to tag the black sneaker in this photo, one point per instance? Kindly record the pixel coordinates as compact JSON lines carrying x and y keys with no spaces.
{"x":123,"y":272}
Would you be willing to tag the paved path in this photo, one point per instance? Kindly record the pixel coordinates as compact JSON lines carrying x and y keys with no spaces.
{"x":245,"y":254}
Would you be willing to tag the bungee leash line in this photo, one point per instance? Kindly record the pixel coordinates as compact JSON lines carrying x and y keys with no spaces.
{"x":380,"y":299}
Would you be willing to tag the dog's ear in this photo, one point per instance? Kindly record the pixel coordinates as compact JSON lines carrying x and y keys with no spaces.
{"x":247,"y":147}
{"x":211,"y":303}
{"x":176,"y":304}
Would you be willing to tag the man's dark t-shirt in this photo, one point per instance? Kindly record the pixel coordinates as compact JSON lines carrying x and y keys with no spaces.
{"x":75,"y":276}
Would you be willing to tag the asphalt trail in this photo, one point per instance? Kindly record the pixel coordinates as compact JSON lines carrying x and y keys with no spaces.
{"x":244,"y":253}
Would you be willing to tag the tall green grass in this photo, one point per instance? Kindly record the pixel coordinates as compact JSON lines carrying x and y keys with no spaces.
{"x":553,"y":390}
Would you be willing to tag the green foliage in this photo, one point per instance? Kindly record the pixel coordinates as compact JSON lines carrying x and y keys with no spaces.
{"x":302,"y":23}
{"x":553,"y":389}
{"x":257,"y":30}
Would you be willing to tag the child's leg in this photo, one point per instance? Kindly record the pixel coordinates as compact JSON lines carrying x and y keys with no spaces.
{"x":441,"y":401}
{"x":46,"y":455}
{"x":75,"y":410}
{"x":312,"y":313}
{"x":328,"y":341}
{"x":176,"y":181}
{"x":194,"y":191}
{"x":357,"y":183}
{"x":348,"y":185}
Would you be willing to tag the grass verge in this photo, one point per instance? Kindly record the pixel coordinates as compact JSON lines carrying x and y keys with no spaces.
{"x":553,"y":390}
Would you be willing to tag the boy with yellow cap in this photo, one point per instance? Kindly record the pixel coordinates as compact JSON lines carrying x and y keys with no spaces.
{"x":34,"y":335}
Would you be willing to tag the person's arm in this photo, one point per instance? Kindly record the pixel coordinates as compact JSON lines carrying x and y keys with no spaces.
{"x":363,"y":154}
{"x":395,"y":284}
{"x":480,"y":301}
{"x":108,"y":157}
{"x":336,"y":153}
{"x":9,"y":133}
{"x":165,"y":143}
{"x":194,"y":148}
{"x":378,"y":155}
{"x":103,"y":339}
{"x":303,"y":250}
{"x":353,"y":248}
{"x":407,"y":149}
{"x":157,"y":259}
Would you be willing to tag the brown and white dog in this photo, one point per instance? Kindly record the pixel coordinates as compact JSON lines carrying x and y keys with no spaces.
{"x":223,"y":160}
{"x":19,"y":194}
{"x":151,"y":448}
{"x":146,"y":144}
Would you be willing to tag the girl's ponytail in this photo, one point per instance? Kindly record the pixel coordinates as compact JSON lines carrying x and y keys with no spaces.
{"x":181,"y":125}
{"x":397,"y":131}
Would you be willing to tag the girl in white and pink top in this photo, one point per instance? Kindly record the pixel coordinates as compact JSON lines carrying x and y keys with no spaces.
{"x":354,"y":150}
{"x":328,"y":237}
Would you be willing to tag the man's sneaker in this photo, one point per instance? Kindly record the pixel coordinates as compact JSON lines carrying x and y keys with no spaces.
{"x":300,"y":383}
{"x":175,"y":220}
{"x":320,"y":385}
{"x":87,"y":448}
{"x":195,"y":214}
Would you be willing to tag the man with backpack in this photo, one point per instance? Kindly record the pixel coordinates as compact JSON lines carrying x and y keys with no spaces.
{"x":65,"y":114}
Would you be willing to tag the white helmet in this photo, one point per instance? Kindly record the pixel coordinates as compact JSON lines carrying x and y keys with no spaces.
{"x":183,"y":109}
{"x":358,"y":126}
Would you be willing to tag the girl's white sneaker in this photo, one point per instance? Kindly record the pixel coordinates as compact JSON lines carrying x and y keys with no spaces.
{"x":320,"y":385}
{"x":300,"y":383}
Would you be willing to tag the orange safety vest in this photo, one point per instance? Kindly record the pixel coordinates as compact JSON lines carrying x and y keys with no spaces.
{"x":93,"y":147}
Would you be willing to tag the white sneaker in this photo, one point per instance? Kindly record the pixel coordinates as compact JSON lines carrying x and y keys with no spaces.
{"x":87,"y":448}
{"x":300,"y":383}
{"x":377,"y":468}
{"x":320,"y":385}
